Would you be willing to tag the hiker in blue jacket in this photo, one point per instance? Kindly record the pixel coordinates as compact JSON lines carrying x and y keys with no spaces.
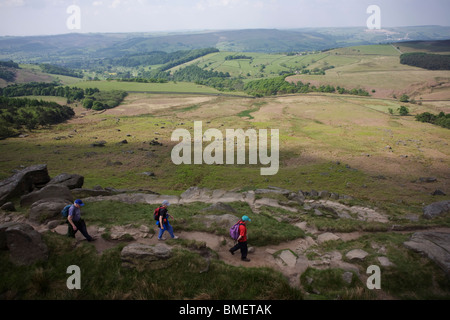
{"x":75,"y":222}
{"x":163,"y":222}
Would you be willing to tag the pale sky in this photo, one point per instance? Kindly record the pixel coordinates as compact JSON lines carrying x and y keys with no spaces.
{"x":43,"y":17}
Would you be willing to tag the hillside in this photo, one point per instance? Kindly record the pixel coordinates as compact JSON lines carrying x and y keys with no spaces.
{"x":353,"y":179}
{"x":78,"y":49}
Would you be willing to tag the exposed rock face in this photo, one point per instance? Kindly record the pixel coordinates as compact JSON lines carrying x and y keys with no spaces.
{"x":142,"y":256}
{"x":436,"y":209}
{"x":46,"y":209}
{"x":48,"y":192}
{"x":23,"y":242}
{"x":71,"y":181}
{"x":434,"y":245}
{"x":23,"y":182}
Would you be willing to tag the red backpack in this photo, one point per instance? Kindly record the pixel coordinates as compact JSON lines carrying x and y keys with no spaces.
{"x":156,"y":214}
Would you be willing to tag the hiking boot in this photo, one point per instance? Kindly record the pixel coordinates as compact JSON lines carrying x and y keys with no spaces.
{"x":161,"y":239}
{"x":175,"y":237}
{"x":245,"y":259}
{"x":232,"y":252}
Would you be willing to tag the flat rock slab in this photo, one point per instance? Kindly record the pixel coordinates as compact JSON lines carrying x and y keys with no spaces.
{"x":356,"y":254}
{"x":327,"y":236}
{"x":288,"y":258}
{"x":142,"y":256}
{"x":434,"y":245}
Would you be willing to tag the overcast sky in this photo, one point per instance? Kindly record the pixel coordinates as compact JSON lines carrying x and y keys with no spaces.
{"x":39,"y":17}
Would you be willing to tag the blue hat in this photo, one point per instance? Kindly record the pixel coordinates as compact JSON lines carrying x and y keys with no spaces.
{"x":245,"y":218}
{"x":165,"y":203}
{"x":79,"y":202}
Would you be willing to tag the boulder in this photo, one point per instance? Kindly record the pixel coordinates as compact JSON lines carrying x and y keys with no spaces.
{"x":8,"y":206}
{"x":385,"y":262}
{"x":47,"y":209}
{"x":100,"y":143}
{"x":438,"y":192}
{"x":434,"y":245}
{"x":327,"y":236}
{"x":297,"y":197}
{"x":23,"y":182}
{"x":356,"y":254}
{"x":324,"y":194}
{"x":142,"y":256}
{"x":24,"y":243}
{"x":3,"y":227}
{"x":48,"y":192}
{"x":436,"y":209}
{"x":313,"y":193}
{"x":128,"y":231}
{"x":271,"y":189}
{"x":288,"y":258}
{"x":71,"y":181}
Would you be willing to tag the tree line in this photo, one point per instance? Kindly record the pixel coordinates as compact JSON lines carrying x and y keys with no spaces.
{"x":7,"y":71}
{"x":104,"y":99}
{"x":167,"y":59}
{"x":17,"y":114}
{"x":53,"y":69}
{"x":46,"y":89}
{"x":279,"y":85}
{"x":426,"y":60}
{"x":237,"y":57}
{"x":90,"y":97}
{"x":441,"y":119}
{"x":188,"y":56}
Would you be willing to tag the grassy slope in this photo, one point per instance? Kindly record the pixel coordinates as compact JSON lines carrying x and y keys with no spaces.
{"x":315,"y":133}
{"x":319,"y":136}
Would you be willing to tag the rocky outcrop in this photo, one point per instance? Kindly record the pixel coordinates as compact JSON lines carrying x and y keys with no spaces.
{"x":47,"y":209}
{"x":71,"y":181}
{"x":142,"y":256}
{"x":434,"y":245}
{"x":23,"y":182}
{"x":436,"y":209}
{"x":25,"y":244}
{"x":48,"y":192}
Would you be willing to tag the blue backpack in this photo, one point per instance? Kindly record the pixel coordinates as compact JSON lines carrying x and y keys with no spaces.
{"x":234,"y":230}
{"x":65,"y":211}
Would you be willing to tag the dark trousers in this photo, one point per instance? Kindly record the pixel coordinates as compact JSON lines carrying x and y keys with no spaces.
{"x":243,"y":247}
{"x":81,"y":225}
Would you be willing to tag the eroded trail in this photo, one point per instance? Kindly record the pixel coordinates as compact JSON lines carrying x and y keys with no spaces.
{"x":287,"y":257}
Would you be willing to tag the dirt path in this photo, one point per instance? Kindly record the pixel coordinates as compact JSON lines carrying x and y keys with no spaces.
{"x":266,"y":256}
